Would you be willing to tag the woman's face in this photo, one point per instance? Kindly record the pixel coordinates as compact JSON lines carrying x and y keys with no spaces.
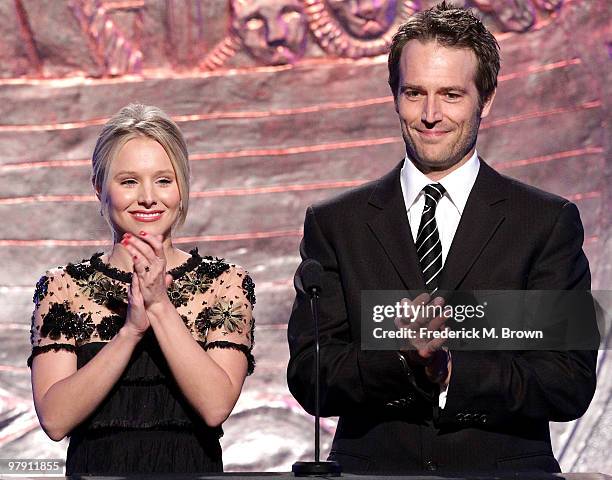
{"x":142,"y":191}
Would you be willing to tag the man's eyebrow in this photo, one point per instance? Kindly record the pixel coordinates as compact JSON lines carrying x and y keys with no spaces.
{"x":132,"y":172}
{"x":451,"y":88}
{"x":410,"y":86}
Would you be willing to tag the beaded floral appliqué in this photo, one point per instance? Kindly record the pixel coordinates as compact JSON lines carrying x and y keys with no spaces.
{"x":193,"y":283}
{"x":96,"y":285}
{"x":227,"y":315}
{"x":109,"y":326}
{"x":60,"y":320}
{"x":178,"y":295}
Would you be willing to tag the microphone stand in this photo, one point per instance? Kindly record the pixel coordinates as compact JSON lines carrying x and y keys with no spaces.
{"x":316,"y":468}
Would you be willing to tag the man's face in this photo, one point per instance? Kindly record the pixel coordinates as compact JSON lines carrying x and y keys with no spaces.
{"x":438,"y":105}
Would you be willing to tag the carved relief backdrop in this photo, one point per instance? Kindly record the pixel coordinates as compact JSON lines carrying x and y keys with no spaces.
{"x":283,"y":103}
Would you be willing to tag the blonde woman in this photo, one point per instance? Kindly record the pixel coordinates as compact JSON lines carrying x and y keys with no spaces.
{"x":139,"y":354}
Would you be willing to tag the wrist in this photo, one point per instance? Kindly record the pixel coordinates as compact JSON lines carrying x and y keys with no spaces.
{"x":130,"y":334}
{"x":159,"y":308}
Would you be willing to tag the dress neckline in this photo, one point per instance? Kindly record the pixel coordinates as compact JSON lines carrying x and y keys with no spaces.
{"x":126,"y":277}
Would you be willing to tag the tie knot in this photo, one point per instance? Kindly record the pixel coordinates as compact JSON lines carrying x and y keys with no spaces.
{"x":433,"y":193}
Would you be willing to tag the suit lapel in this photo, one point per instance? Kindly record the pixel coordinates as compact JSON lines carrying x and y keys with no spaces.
{"x":482,"y":216}
{"x":389,"y":224}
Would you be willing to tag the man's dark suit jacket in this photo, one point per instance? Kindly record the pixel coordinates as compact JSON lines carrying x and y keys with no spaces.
{"x":511,"y":236}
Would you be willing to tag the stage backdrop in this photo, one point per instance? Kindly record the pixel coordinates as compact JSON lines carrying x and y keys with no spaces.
{"x":283,"y":103}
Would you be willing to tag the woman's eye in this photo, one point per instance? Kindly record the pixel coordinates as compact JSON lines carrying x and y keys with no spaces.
{"x":165,"y":181}
{"x":128,"y":181}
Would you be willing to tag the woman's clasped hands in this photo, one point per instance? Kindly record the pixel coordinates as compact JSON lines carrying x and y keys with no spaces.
{"x":150,"y":281}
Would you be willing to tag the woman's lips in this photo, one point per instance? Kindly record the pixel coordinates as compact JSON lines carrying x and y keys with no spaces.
{"x":146,"y":217}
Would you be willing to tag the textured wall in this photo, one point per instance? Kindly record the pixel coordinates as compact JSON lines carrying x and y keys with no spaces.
{"x":283,"y":103}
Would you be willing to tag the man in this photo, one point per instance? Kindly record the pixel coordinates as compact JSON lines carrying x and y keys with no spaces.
{"x":441,"y":219}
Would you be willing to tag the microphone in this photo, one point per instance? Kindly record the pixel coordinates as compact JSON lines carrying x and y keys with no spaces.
{"x":310,"y":273}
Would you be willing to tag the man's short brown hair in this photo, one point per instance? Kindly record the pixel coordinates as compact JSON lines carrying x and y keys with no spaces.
{"x":453,"y":27}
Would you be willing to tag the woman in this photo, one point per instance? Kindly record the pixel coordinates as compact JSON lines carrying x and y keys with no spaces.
{"x":139,"y":354}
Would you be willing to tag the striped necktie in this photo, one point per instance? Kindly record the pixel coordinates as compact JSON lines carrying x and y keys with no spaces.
{"x":428,"y":246}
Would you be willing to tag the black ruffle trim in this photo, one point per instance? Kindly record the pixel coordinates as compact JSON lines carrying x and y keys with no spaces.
{"x":56,"y":347}
{"x":235,"y":346}
{"x":125,"y":277}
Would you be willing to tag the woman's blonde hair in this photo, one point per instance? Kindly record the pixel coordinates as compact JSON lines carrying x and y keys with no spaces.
{"x":133,"y":121}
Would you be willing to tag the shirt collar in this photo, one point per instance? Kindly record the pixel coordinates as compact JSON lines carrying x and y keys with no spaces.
{"x":458,"y":183}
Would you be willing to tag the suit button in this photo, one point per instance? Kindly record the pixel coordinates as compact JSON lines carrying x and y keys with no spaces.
{"x":467,"y":417}
{"x":483,"y":419}
{"x":431,"y":465}
{"x":459,"y":417}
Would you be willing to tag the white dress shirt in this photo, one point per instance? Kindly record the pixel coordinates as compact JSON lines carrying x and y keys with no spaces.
{"x":458,"y":185}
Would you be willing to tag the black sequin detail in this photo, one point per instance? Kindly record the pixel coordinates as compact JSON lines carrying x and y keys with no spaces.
{"x":109,"y":326}
{"x":40,"y":291}
{"x":212,"y":267}
{"x":54,"y":322}
{"x":79,"y":326}
{"x":248,"y":286}
{"x":82,"y":270}
{"x":59,"y":321}
{"x":235,"y":346}
{"x":56,"y":347}
{"x":202,"y":321}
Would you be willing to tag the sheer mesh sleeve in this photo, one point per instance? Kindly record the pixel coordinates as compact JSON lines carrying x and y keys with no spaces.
{"x":230,"y":319}
{"x":53,"y":322}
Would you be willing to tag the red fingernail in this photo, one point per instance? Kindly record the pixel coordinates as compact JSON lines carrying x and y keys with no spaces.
{"x":124,"y":242}
{"x":135,"y":257}
{"x":143,"y":233}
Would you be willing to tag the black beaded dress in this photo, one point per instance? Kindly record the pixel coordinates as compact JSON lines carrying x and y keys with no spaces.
{"x":145,"y":424}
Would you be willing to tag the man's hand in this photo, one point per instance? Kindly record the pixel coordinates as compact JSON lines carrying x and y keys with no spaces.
{"x":423,"y":350}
